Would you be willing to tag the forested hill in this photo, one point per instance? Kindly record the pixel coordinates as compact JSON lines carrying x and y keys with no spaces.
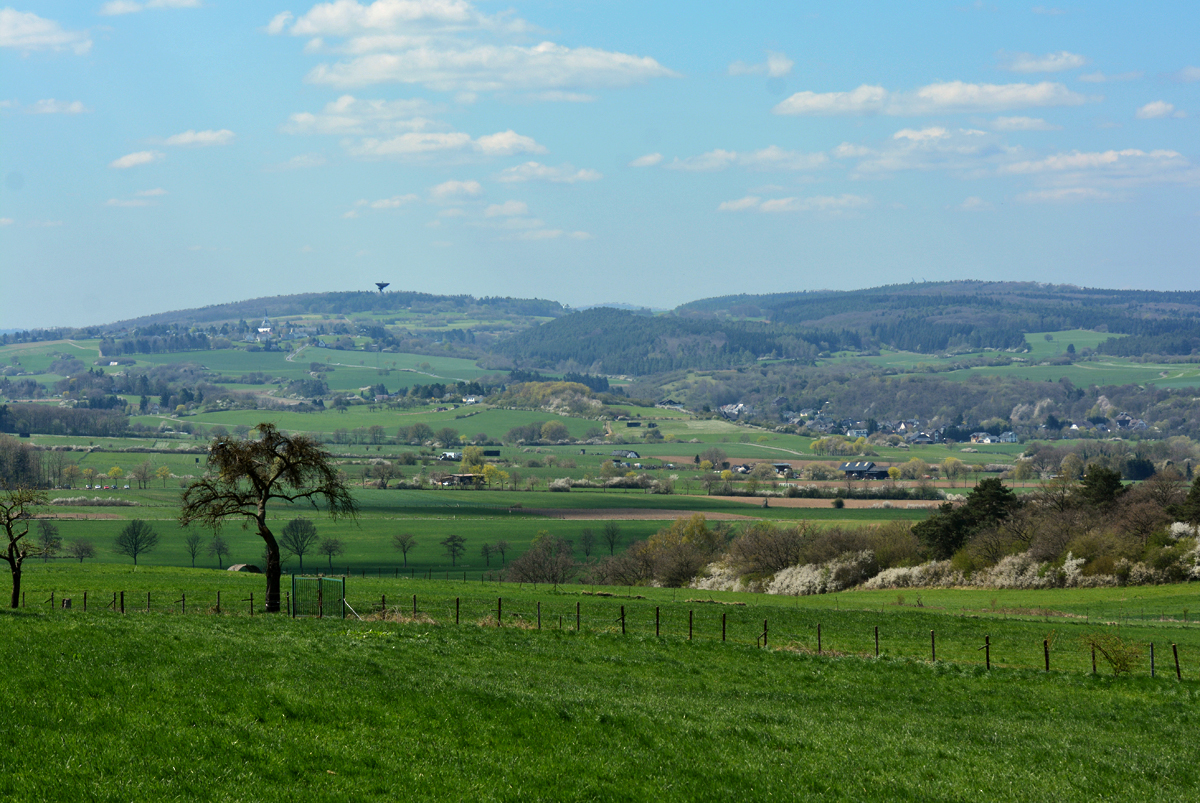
{"x":345,"y":303}
{"x":610,"y":341}
{"x":931,"y":317}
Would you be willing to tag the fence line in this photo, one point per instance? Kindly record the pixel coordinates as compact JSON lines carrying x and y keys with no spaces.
{"x":645,"y":619}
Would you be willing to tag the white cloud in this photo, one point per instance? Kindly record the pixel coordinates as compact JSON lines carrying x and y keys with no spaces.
{"x":451,"y":190}
{"x":560,"y":96}
{"x":279,"y":22}
{"x":453,"y":212}
{"x":535,"y":171}
{"x":302,"y":161}
{"x":507,"y":209}
{"x":490,"y":68}
{"x":848,"y":150}
{"x":395,"y":202}
{"x":1100,"y":78}
{"x":348,"y":17}
{"x":649,"y":160}
{"x":1065,"y":194}
{"x":202,"y":138}
{"x":815,"y":203}
{"x":351,"y":115}
{"x":1050,"y":62}
{"x":130,"y":7}
{"x":770,"y":158}
{"x":749,"y":202}
{"x":1023,"y":124}
{"x":24,"y":30}
{"x":154,"y":193}
{"x":135,"y":159}
{"x":948,"y":96}
{"x":922,"y":135}
{"x":777,"y":66}
{"x":1112,"y":168}
{"x":506,"y":143}
{"x":1054,"y":12}
{"x":1157,"y":109}
{"x":960,"y":96}
{"x":1188,"y":75}
{"x":974,"y":204}
{"x":864,"y":100}
{"x":119,"y":202}
{"x":6,"y":221}
{"x":52,"y":106}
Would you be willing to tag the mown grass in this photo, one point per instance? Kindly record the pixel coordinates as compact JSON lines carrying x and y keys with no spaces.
{"x":168,"y":707}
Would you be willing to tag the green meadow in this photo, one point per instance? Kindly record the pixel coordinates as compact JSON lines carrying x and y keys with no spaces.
{"x":164,"y":706}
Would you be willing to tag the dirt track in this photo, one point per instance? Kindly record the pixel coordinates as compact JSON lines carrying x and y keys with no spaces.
{"x":857,"y":504}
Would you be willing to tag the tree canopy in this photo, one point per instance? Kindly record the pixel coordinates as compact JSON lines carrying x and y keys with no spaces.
{"x":245,"y":475}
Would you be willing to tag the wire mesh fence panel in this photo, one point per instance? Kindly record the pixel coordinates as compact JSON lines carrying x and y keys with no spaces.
{"x":318,"y":596}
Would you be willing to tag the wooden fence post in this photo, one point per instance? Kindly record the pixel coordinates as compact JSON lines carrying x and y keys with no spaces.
{"x":251,"y":603}
{"x":147,"y":602}
{"x":499,"y":610}
{"x":576,"y":617}
{"x":85,"y":602}
{"x":722,"y":627}
{"x":622,"y":620}
{"x":1178,"y":674}
{"x":932,"y":647}
{"x":876,"y":641}
{"x":1046,"y":650}
{"x":383,"y":604}
{"x":457,"y":602}
{"x":656,"y":621}
{"x":689,"y":625}
{"x":183,"y":602}
{"x":218,"y":602}
{"x":540,"y":616}
{"x":414,"y":605}
{"x":818,"y":638}
{"x":1152,"y":659}
{"x":1093,"y":659}
{"x":764,"y":633}
{"x":987,"y":652}
{"x":122,"y":603}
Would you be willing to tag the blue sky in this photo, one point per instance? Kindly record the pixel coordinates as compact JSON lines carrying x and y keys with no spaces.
{"x":164,"y":154}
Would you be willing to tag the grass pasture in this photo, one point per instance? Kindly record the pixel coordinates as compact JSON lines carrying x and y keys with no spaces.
{"x":159,"y":706}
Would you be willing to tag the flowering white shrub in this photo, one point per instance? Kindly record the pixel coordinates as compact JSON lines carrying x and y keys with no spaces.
{"x":95,"y":501}
{"x":718,"y":576}
{"x":1182,"y":529}
{"x":935,"y":574}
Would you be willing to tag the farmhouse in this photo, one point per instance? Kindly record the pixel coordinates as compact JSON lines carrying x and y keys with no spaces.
{"x":627,"y":454}
{"x":451,"y":456}
{"x":863,"y":470}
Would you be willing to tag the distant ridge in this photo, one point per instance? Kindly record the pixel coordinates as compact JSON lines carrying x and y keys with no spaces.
{"x":341,"y":303}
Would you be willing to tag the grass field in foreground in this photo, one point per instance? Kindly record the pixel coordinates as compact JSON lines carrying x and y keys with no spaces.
{"x":155,"y":707}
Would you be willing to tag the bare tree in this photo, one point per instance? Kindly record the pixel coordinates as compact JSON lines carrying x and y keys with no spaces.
{"x":16,"y":509}
{"x":48,"y":540}
{"x":81,"y":549}
{"x":455,"y":546}
{"x":298,"y":536}
{"x":193,"y":542}
{"x":137,"y":538}
{"x":330,"y":547}
{"x":502,"y":548}
{"x":218,"y":548}
{"x":612,"y":535}
{"x":549,"y":559}
{"x":405,"y":542}
{"x":587,"y":540}
{"x":245,"y":475}
{"x":485,"y":552}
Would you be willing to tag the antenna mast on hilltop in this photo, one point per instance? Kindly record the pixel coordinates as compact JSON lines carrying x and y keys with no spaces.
{"x":382,"y":285}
